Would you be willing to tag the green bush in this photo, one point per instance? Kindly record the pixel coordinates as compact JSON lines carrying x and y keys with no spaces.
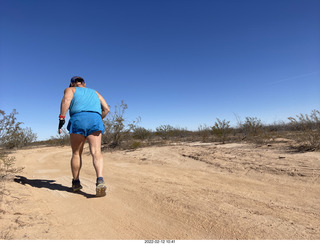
{"x":117,"y":129}
{"x":11,"y":133}
{"x":252,"y":126}
{"x":62,"y":139}
{"x":7,"y":168}
{"x":204,"y":132}
{"x":168,"y":131}
{"x":164,"y":131}
{"x":222,"y":129}
{"x":253,"y":130}
{"x":309,"y":129}
{"x":141,"y":133}
{"x":135,"y":144}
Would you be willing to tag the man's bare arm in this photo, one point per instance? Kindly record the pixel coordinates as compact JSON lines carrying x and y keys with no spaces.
{"x":66,"y":100}
{"x":104,"y":106}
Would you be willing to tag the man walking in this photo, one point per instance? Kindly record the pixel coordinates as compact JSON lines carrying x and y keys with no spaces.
{"x":87,"y":108}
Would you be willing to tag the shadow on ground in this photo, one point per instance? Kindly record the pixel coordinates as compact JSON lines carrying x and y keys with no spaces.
{"x":48,"y":184}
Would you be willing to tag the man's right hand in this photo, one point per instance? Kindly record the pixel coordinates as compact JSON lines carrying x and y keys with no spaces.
{"x":61,"y":123}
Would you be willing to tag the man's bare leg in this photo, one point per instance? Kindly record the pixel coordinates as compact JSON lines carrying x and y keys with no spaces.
{"x":95,"y":148}
{"x":77,"y":142}
{"x":94,"y":141}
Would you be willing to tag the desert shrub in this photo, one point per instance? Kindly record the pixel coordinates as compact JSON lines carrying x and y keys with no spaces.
{"x":27,"y":136}
{"x":253,"y":130}
{"x":164,"y":131}
{"x":204,"y":132}
{"x":135,"y":144}
{"x":7,"y":166}
{"x":221,"y":129}
{"x":117,"y":128}
{"x":277,"y":129}
{"x":62,"y":139}
{"x":169,"y":132}
{"x":278,"y":126}
{"x":308,"y":127}
{"x":11,"y":133}
{"x":252,"y":126}
{"x":141,"y":133}
{"x":179,"y":133}
{"x":7,"y":172}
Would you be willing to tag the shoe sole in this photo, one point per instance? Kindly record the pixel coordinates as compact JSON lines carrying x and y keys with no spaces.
{"x":77,"y":189}
{"x":101,"y":191}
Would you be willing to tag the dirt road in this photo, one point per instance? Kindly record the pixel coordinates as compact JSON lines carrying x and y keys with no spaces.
{"x":183,"y":191}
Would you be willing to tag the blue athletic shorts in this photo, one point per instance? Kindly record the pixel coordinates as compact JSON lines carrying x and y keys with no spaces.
{"x":85,"y":123}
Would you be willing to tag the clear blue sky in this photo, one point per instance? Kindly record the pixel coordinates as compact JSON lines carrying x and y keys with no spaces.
{"x":177,"y":62}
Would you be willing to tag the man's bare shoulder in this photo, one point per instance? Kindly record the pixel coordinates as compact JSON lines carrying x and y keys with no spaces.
{"x":70,"y":90}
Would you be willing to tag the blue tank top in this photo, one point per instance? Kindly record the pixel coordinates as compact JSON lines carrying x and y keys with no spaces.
{"x":85,"y":100}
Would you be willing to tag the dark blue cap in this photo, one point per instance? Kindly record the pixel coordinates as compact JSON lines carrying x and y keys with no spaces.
{"x":75,"y":79}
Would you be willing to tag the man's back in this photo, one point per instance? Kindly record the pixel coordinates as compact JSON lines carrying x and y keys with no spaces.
{"x":85,"y":100}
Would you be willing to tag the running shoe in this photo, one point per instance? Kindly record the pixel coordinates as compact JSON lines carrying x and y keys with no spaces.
{"x":76,"y":186}
{"x":101,"y":188}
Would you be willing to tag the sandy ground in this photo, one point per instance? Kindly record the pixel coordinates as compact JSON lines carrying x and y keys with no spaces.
{"x":183,"y":191}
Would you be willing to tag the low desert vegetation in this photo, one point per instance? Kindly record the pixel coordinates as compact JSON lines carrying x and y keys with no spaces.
{"x":12,"y":135}
{"x":307,"y":128}
{"x":120,"y":133}
{"x":117,"y":128}
{"x":7,"y":167}
{"x":62,"y":139}
{"x":222,"y":130}
{"x":167,"y":131}
{"x":302,"y":130}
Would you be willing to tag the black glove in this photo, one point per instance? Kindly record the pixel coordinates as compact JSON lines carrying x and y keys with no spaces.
{"x":61,"y":123}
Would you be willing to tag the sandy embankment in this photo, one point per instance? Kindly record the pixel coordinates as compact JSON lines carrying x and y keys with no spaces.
{"x":183,"y":191}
